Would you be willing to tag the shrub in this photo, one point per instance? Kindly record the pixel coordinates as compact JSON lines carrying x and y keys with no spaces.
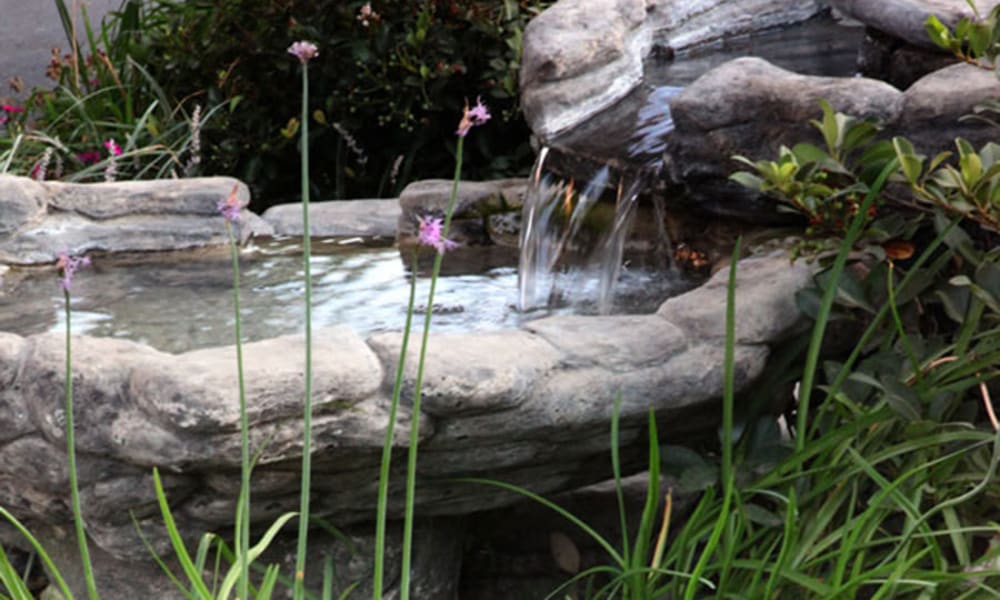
{"x":386,"y":87}
{"x":106,"y":117}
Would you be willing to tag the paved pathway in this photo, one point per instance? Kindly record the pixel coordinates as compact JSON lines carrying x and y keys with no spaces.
{"x":28,"y":31}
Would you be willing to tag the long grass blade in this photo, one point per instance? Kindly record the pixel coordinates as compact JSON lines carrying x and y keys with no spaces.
{"x":192,"y":573}
{"x":254,"y":553}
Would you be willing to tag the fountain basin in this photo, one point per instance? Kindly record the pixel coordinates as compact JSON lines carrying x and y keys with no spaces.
{"x":528,"y":404}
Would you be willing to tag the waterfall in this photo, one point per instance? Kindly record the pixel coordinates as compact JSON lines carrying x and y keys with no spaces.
{"x":574,"y":228}
{"x":572,"y":242}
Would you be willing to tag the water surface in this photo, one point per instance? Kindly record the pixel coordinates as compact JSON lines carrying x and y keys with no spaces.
{"x":179,"y":301}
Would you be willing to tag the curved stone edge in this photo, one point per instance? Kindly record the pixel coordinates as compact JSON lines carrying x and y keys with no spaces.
{"x":529,"y":405}
{"x":42,"y":219}
{"x":581,"y":56}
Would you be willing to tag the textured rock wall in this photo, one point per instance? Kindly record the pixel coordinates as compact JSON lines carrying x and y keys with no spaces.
{"x":529,"y":406}
{"x":581,"y":56}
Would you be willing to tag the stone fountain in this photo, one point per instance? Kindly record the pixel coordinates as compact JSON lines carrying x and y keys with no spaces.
{"x":529,"y":405}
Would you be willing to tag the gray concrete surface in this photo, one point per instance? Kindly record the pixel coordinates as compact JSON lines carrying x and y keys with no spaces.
{"x":29,"y":29}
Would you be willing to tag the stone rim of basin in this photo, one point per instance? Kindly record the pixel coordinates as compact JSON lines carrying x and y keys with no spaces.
{"x":530,"y":405}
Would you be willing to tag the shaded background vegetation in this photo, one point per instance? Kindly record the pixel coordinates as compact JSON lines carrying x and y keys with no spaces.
{"x":385,"y":90}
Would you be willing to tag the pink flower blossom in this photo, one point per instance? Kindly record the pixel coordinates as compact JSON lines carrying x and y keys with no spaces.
{"x":230,"y":207}
{"x":431,"y":235}
{"x":473,"y":117}
{"x":304,"y":51}
{"x":68,"y":266}
{"x":367,"y":16}
{"x":89,"y":158}
{"x":8,"y":109}
{"x":113,"y":148}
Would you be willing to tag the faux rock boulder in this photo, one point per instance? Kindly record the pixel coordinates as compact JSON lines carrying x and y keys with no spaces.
{"x":481,"y":209}
{"x":904,"y":19}
{"x":751,"y":108}
{"x":898,"y":48}
{"x":581,"y":56}
{"x":372,"y":218}
{"x":42,"y":219}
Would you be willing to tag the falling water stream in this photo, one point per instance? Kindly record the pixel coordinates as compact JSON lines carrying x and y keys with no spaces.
{"x":572,"y":243}
{"x":575,"y":228}
{"x":573,"y":236}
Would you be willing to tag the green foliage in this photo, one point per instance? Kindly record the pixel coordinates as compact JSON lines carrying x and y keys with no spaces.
{"x":827,"y":184}
{"x":970,"y":187}
{"x":974,"y":40}
{"x":637,"y":570}
{"x":102,"y":94}
{"x":386,"y":88}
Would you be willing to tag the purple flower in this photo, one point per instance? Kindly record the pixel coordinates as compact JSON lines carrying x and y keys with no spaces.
{"x":113,"y":148}
{"x":473,"y":117}
{"x":89,"y":158}
{"x":68,"y":266}
{"x":431,"y":235}
{"x":230,"y":207}
{"x":304,"y":51}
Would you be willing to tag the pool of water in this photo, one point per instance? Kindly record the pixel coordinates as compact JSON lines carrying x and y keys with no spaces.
{"x":180,"y":301}
{"x":819,"y":46}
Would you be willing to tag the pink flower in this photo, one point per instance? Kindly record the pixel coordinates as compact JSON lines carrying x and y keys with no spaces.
{"x":473,"y":117}
{"x":367,"y":16}
{"x":68,"y":266}
{"x":113,"y":148}
{"x":89,"y":158}
{"x":230,"y":207}
{"x":304,"y":51}
{"x":431,"y":235}
{"x":12,"y":109}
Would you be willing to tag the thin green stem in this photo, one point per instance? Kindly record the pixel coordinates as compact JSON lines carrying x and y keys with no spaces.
{"x":74,"y":484}
{"x":728,"y":392}
{"x":729,"y":372}
{"x":904,"y":340}
{"x":300,"y":555}
{"x":383,"y":482}
{"x":826,"y":305}
{"x":411,"y":463}
{"x":243,"y":524}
